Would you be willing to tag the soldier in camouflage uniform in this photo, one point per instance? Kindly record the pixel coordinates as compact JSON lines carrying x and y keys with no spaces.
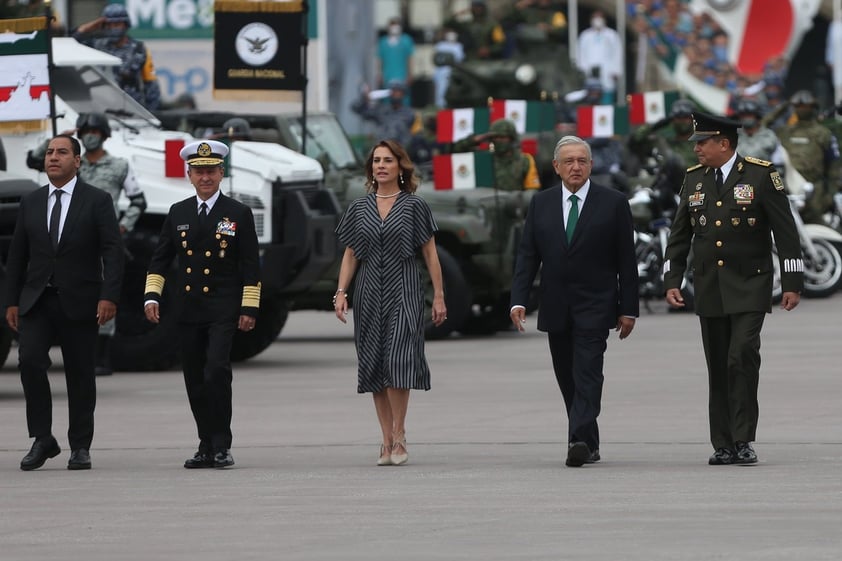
{"x":113,"y":175}
{"x":814,"y":152}
{"x":729,"y":207}
{"x":754,"y":138}
{"x":394,"y":120}
{"x":513,"y":170}
{"x":136,"y":76}
{"x":482,"y":36}
{"x":670,"y":134}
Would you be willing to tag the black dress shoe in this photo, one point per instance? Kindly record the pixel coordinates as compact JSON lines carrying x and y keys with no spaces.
{"x":79,"y":459}
{"x":722,"y":457}
{"x":594,"y":457}
{"x":199,"y":460}
{"x":42,"y":449}
{"x":577,"y":454}
{"x":222,"y":459}
{"x":745,"y":454}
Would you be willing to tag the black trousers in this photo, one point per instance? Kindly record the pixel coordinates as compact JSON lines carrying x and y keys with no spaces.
{"x":206,"y":360}
{"x":732,"y":353}
{"x":45,"y":323}
{"x":578,"y":357}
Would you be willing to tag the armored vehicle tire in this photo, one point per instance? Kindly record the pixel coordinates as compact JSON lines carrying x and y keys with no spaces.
{"x":270,"y":321}
{"x":5,"y":343}
{"x":457,"y":297}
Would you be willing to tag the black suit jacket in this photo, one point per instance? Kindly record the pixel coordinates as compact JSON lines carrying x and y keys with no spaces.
{"x":218,"y":265}
{"x":87,"y":265}
{"x":593,"y":280}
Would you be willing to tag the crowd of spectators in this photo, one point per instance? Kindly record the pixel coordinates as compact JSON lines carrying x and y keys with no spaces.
{"x":671,"y":29}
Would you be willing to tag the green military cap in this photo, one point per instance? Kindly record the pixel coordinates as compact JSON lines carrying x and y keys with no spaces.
{"x":706,"y":126}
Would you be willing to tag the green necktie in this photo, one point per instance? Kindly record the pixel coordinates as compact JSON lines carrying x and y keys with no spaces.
{"x":573,"y":217}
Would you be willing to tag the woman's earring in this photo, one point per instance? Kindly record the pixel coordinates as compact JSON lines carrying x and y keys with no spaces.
{"x":400,"y":179}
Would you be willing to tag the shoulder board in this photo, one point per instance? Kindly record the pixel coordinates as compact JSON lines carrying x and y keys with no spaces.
{"x":697,"y":166}
{"x":758,"y":161}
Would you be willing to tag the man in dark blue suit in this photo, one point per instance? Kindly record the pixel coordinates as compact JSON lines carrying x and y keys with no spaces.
{"x":65,"y":270}
{"x":581,"y":237}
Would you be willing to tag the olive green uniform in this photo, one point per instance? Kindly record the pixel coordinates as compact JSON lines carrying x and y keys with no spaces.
{"x":729,"y":232}
{"x":666,"y":140}
{"x":813,"y":149}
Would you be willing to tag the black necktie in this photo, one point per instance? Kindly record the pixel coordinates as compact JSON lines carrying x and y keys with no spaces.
{"x":719,"y":181}
{"x":203,"y":214}
{"x":55,"y":218}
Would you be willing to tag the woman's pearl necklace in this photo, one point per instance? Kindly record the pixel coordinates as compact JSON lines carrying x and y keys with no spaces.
{"x":387,"y":196}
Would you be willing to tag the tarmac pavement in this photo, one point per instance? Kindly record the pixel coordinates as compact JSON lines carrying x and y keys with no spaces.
{"x":486,"y":477}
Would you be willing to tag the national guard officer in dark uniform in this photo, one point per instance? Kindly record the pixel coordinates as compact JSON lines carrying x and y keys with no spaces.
{"x":729,"y":206}
{"x":212,"y":237}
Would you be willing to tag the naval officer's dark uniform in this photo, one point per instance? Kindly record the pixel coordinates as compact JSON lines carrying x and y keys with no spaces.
{"x":729,"y":230}
{"x":217,"y":282}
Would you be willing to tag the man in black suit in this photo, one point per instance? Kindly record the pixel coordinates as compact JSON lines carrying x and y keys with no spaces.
{"x":213,"y":239}
{"x":65,"y":269}
{"x":581,"y":236}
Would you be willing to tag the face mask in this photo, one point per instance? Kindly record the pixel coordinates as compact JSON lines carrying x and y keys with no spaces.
{"x":749,"y":123}
{"x":598,"y":23}
{"x":394,"y":30}
{"x":720,"y":52}
{"x":92,"y":141}
{"x":114,"y":34}
{"x":450,"y":36}
{"x":396,"y":101}
{"x":807,"y":114}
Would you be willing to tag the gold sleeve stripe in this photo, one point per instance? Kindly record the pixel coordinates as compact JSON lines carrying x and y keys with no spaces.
{"x":154,"y":283}
{"x":251,"y":296}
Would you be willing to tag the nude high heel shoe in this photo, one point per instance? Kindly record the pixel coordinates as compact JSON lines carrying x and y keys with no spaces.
{"x":399,"y":453}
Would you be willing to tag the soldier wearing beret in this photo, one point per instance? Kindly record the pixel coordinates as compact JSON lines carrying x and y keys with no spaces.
{"x":213,"y":240}
{"x":729,"y":207}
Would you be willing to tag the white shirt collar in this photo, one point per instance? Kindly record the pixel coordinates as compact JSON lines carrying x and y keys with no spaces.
{"x":726,"y":167}
{"x":582,"y":193}
{"x":67,"y":188}
{"x":210,"y":202}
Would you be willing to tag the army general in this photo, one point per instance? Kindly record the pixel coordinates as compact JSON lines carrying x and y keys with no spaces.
{"x":729,"y":207}
{"x":212,"y":237}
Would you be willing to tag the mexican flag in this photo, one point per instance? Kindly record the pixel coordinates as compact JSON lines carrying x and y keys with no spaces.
{"x":463,"y":171}
{"x":601,"y":121}
{"x":453,"y":125}
{"x":25,"y":79}
{"x":528,"y":116}
{"x":650,"y":107}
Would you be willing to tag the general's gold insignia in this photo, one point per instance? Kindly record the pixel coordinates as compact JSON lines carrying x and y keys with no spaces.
{"x":777,"y":181}
{"x":735,"y":221}
{"x":204,"y":150}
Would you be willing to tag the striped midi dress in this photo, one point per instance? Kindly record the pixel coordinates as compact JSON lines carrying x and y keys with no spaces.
{"x":388,"y":295}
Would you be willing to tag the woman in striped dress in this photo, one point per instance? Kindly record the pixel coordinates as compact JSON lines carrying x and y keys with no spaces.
{"x":382,"y":234}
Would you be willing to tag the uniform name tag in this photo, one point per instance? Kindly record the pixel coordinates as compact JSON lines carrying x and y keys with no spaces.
{"x":743,"y":194}
{"x":182,"y":227}
{"x":226,"y":227}
{"x":696,"y":199}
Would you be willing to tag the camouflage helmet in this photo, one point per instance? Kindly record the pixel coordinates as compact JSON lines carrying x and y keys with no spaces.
{"x":749,"y":107}
{"x":503,"y":127}
{"x":803,"y":97}
{"x":116,"y":13}
{"x":93,"y":121}
{"x":682,"y":108}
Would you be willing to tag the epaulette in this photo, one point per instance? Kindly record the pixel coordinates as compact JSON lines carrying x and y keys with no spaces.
{"x":758,"y":161}
{"x":697,"y":166}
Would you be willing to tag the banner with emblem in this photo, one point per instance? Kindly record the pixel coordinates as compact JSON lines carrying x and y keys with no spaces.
{"x":528,"y":116}
{"x":258,"y":50}
{"x":601,"y":121}
{"x":650,"y":107}
{"x":452,"y":125}
{"x":25,"y":79}
{"x":463,"y":170}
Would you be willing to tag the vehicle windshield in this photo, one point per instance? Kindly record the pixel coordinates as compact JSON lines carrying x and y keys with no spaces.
{"x":87,"y":90}
{"x":326,"y":139}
